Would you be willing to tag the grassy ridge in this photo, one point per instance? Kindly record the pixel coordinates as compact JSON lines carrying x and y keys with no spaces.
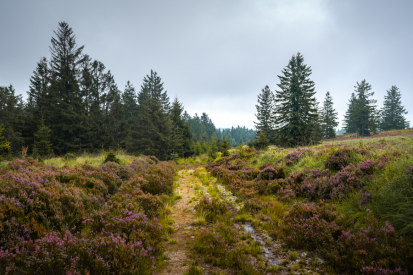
{"x":348,"y":199}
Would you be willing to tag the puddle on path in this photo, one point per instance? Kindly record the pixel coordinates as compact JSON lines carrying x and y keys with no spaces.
{"x":267,"y":251}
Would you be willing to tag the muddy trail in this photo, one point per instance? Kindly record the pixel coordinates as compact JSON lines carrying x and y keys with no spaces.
{"x":183,"y":215}
{"x":271,"y":259}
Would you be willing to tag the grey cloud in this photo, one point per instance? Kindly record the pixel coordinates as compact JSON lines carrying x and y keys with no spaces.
{"x":216,"y":56}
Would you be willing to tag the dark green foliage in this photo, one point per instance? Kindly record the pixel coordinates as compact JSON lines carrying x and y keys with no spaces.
{"x":154,"y":129}
{"x":238,"y":134}
{"x":69,"y":156}
{"x":211,"y":208}
{"x":38,"y":100}
{"x":349,"y":126}
{"x":4,"y":144}
{"x":224,"y":147}
{"x":202,"y":127}
{"x":213,"y":148}
{"x":296,"y":113}
{"x":361,"y":115}
{"x":11,"y":117}
{"x":42,"y":146}
{"x":111,"y":157}
{"x":329,"y":118}
{"x":261,"y":141}
{"x":393,"y":112}
{"x":182,"y":135}
{"x":66,"y":107}
{"x":394,"y":200}
{"x":265,"y":111}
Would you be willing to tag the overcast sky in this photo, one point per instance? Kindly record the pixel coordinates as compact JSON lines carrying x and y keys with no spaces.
{"x":217,"y":55}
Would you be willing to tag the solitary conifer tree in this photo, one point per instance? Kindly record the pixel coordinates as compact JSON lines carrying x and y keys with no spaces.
{"x":265,"y":111}
{"x":329,"y":117}
{"x":224,"y":147}
{"x":213,"y":148}
{"x":296,"y":112}
{"x":393,"y":112}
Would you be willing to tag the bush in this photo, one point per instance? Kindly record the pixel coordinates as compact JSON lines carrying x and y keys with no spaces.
{"x":111,"y":157}
{"x":373,"y":248}
{"x":62,"y":221}
{"x":211,"y":208}
{"x":69,"y":156}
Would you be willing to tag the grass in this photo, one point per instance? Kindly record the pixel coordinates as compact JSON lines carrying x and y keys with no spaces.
{"x":92,"y":159}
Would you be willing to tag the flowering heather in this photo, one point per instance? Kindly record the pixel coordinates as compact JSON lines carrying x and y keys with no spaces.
{"x":371,"y":248}
{"x":83,"y":219}
{"x":295,"y":156}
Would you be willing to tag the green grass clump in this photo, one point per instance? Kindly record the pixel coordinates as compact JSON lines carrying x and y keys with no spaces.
{"x":392,"y":198}
{"x":194,"y":270}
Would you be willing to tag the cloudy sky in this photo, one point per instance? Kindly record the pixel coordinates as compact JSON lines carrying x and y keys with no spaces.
{"x":217,"y":55}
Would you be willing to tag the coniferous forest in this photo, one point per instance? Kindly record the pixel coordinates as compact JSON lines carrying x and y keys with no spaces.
{"x":101,"y":179}
{"x":74,"y":105}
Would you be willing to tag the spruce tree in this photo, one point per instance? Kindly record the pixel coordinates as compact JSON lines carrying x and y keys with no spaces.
{"x":329,"y":117}
{"x":38,"y":100}
{"x":393,"y":112}
{"x":224,"y":147}
{"x":295,"y":105}
{"x":363,"y":112}
{"x":265,"y":111}
{"x":260,"y":141}
{"x":42,"y":147}
{"x":213,"y":148}
{"x":153,"y":131}
{"x":67,"y":105}
{"x":349,"y":120}
{"x":182,"y":135}
{"x":318,"y":124}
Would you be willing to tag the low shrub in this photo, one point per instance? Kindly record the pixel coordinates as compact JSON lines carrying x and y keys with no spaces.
{"x":321,"y":229}
{"x":211,"y":208}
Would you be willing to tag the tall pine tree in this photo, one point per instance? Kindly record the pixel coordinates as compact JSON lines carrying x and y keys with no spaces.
{"x":349,"y":125}
{"x":296,"y":112}
{"x":393,"y":112}
{"x":42,"y":146}
{"x":265,"y":111}
{"x":67,"y":106}
{"x":329,"y":117}
{"x":361,"y":115}
{"x":153,"y":131}
{"x":182,"y":134}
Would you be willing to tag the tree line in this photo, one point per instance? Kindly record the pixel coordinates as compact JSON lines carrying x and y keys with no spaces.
{"x":74,"y":105}
{"x":292,"y":116}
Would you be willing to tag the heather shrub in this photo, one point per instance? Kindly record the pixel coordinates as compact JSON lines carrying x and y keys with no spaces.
{"x":218,"y":250}
{"x":271,"y":173}
{"x":295,"y":156}
{"x":344,"y":157}
{"x":159,"y":179}
{"x":80,"y":220}
{"x":319,"y":228}
{"x":212,"y":209}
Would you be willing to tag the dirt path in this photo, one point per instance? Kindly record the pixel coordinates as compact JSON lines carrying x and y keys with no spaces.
{"x":184,"y":214}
